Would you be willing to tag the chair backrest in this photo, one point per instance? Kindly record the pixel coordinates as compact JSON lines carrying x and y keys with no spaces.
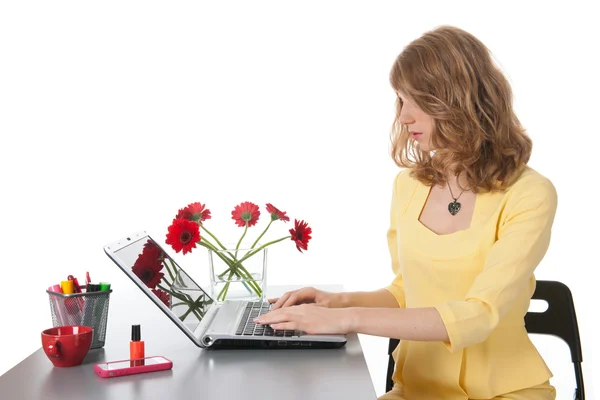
{"x":389,"y":383}
{"x":559,"y":319}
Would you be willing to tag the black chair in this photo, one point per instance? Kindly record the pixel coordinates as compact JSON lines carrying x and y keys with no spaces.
{"x":558,"y":320}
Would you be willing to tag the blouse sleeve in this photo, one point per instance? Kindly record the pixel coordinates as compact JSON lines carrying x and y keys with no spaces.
{"x":396,"y":288}
{"x":523,"y":239}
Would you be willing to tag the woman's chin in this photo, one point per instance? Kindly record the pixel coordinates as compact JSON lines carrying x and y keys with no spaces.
{"x":423,"y":147}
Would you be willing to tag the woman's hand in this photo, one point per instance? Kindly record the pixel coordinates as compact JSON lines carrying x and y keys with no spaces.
{"x":304,"y":296}
{"x":309,"y":318}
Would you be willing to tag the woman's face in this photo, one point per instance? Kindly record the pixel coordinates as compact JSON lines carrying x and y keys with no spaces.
{"x":419,"y":124}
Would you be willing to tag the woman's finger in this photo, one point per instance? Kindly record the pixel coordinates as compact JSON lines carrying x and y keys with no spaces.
{"x":282,"y":300}
{"x":292,"y":300}
{"x":305,"y":295}
{"x":272,"y":317}
{"x":290,"y":326}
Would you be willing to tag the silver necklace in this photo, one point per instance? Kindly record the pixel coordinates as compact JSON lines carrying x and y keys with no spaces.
{"x":454,"y":206}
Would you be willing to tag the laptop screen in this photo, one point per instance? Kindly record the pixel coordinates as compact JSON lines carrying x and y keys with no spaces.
{"x":151,"y":268}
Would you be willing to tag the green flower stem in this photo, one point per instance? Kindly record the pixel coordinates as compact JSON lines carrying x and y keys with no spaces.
{"x":214,"y":237}
{"x":176,"y":274}
{"x":235,"y":266}
{"x":176,"y":295}
{"x":197,"y":308}
{"x":218,"y":242}
{"x":250,"y":286}
{"x":252,"y":247}
{"x":169,"y":271}
{"x":250,"y":289}
{"x":229,"y":263}
{"x":218,"y":252}
{"x":259,"y":249}
{"x":204,"y":242}
{"x":186,"y":297}
{"x":240,"y":241}
{"x":249,"y":281}
{"x":198,"y":314}
{"x":223,"y":292}
{"x":193,"y":305}
{"x":181,"y":296}
{"x":248,"y":277}
{"x":185,"y":314}
{"x":261,"y":235}
{"x":248,"y":255}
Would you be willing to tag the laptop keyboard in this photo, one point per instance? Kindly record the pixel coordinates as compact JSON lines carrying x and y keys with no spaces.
{"x":247,"y":326}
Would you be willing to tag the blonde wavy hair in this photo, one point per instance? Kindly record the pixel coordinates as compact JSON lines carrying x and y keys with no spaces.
{"x":451,"y":76}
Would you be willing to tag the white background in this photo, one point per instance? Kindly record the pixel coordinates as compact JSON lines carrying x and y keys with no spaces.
{"x":115,"y":114}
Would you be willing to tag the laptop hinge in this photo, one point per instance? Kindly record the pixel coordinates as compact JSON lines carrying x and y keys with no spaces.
{"x":206,"y":321}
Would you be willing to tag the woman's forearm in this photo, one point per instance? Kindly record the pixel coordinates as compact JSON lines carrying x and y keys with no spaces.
{"x":420,"y":324}
{"x":378,"y":299}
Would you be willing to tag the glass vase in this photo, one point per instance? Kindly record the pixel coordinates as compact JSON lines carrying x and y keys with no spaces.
{"x":186,"y":300}
{"x":238,"y":274}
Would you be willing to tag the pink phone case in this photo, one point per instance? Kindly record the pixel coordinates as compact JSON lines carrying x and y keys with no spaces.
{"x":105,"y":373}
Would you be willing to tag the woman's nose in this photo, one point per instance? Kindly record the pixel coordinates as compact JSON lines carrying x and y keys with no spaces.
{"x":406,"y":117}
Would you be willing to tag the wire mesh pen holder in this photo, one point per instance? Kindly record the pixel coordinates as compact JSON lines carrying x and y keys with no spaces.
{"x":82,"y":309}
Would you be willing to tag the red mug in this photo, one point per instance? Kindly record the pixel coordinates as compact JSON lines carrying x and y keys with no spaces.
{"x":67,"y":346}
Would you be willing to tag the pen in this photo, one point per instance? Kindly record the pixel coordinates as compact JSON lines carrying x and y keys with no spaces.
{"x":55,"y":288}
{"x":76,"y":287}
{"x":62,"y":321}
{"x":70,"y":304}
{"x":89,"y":313}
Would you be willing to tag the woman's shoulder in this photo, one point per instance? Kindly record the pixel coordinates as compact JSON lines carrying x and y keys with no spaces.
{"x":531,"y":182}
{"x":404,"y":180}
{"x":530,"y":189}
{"x":404,"y":176}
{"x":405,"y":186}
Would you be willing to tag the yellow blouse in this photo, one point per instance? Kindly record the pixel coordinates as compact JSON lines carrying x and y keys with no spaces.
{"x":480,"y":280}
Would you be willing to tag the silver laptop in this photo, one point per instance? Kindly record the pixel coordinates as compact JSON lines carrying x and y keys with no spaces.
{"x":208,"y":323}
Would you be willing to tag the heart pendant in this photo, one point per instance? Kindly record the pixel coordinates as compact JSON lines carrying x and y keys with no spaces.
{"x":454,"y":207}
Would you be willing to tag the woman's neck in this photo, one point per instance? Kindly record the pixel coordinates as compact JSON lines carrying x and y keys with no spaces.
{"x":457,"y":184}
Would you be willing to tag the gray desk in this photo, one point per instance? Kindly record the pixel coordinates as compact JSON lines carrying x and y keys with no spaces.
{"x":223,"y":374}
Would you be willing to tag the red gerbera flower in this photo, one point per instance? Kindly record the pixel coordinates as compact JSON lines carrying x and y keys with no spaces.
{"x":147,"y":267}
{"x":194,"y":212}
{"x":301,"y":234}
{"x":244,"y":213}
{"x":183,"y":235}
{"x":153,"y":252}
{"x":276,"y":213}
{"x":163,"y":296}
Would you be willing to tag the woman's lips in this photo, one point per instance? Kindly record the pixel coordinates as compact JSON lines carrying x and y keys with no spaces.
{"x":416,"y":134}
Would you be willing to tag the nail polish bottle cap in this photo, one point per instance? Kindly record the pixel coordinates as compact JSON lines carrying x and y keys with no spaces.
{"x":136,"y":333}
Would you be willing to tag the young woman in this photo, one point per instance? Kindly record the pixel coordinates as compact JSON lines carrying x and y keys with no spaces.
{"x":470,"y":221}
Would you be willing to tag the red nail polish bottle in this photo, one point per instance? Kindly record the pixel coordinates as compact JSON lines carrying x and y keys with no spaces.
{"x":136,"y":346}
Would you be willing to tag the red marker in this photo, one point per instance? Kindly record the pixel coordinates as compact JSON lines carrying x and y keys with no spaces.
{"x":76,"y":287}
